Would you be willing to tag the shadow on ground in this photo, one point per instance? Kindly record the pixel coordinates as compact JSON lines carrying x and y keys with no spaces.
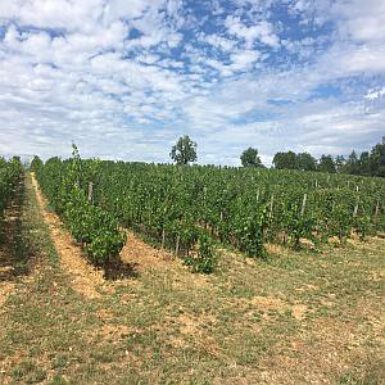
{"x":118,"y":269}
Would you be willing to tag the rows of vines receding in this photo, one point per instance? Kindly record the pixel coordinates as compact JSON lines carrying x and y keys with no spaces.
{"x":10,"y":174}
{"x":92,"y":226}
{"x":190,"y":210}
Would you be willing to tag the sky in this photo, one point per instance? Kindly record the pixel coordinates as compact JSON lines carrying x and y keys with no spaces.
{"x":123,"y":79}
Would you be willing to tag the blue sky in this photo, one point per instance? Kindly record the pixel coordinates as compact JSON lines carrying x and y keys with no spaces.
{"x":124,"y":79}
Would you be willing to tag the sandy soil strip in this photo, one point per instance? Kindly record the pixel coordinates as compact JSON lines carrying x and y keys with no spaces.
{"x":6,"y":288}
{"x":144,"y":256}
{"x":84,"y":277}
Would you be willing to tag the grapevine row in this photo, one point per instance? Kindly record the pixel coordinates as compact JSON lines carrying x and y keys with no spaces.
{"x":190,"y":209}
{"x":94,"y":228}
{"x":10,"y":173}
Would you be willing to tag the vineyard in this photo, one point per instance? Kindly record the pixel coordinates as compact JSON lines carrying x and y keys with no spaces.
{"x":193,"y":210}
{"x":10,"y":173}
{"x":91,"y":291}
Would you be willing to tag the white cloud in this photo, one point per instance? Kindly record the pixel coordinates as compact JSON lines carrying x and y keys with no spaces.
{"x":70,"y":71}
{"x":262,"y":31}
{"x":242,"y":60}
{"x":220,"y":42}
{"x":62,"y":14}
{"x":361,"y":22}
{"x":375,"y":94}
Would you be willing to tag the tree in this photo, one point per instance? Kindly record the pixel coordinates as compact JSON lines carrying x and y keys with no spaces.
{"x":36,"y":163}
{"x":250,"y":158}
{"x":184,"y":151}
{"x":352,"y":164}
{"x":287,"y":160}
{"x":377,"y":159}
{"x":340,"y":163}
{"x":306,"y":162}
{"x":326,"y":164}
{"x":364,"y":163}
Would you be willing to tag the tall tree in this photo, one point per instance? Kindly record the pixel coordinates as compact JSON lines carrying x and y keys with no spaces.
{"x":340,"y":163}
{"x":377,"y":159}
{"x":285,"y":160}
{"x":184,"y":151}
{"x":250,"y":158}
{"x":326,"y":164}
{"x":364,"y":163}
{"x":352,"y":164}
{"x":36,"y":163}
{"x":306,"y":162}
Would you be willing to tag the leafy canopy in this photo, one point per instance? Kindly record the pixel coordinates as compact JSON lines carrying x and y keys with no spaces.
{"x":184,"y":151}
{"x":285,"y":160}
{"x":250,"y":158}
{"x":326,"y":164}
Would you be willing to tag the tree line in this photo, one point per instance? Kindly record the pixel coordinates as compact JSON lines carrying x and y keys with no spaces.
{"x":367,"y":163}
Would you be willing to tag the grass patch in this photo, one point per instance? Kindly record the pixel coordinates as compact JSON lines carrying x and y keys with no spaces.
{"x":372,"y":373}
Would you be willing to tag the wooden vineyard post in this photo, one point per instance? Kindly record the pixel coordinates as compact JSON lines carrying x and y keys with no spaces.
{"x":177,"y":245}
{"x":271,"y":206}
{"x":90,"y":191}
{"x":267,"y":231}
{"x":258,"y":195}
{"x":376,"y":211}
{"x":303,"y":205}
{"x":355,"y":210}
{"x":204,"y":196}
{"x":163,"y":238}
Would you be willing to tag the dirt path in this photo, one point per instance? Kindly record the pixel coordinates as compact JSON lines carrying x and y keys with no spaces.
{"x":84,"y":278}
{"x":145,"y":256}
{"x":136,"y":256}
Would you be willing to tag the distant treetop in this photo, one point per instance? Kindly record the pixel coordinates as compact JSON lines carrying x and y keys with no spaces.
{"x":250,"y":158}
{"x":184,"y":151}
